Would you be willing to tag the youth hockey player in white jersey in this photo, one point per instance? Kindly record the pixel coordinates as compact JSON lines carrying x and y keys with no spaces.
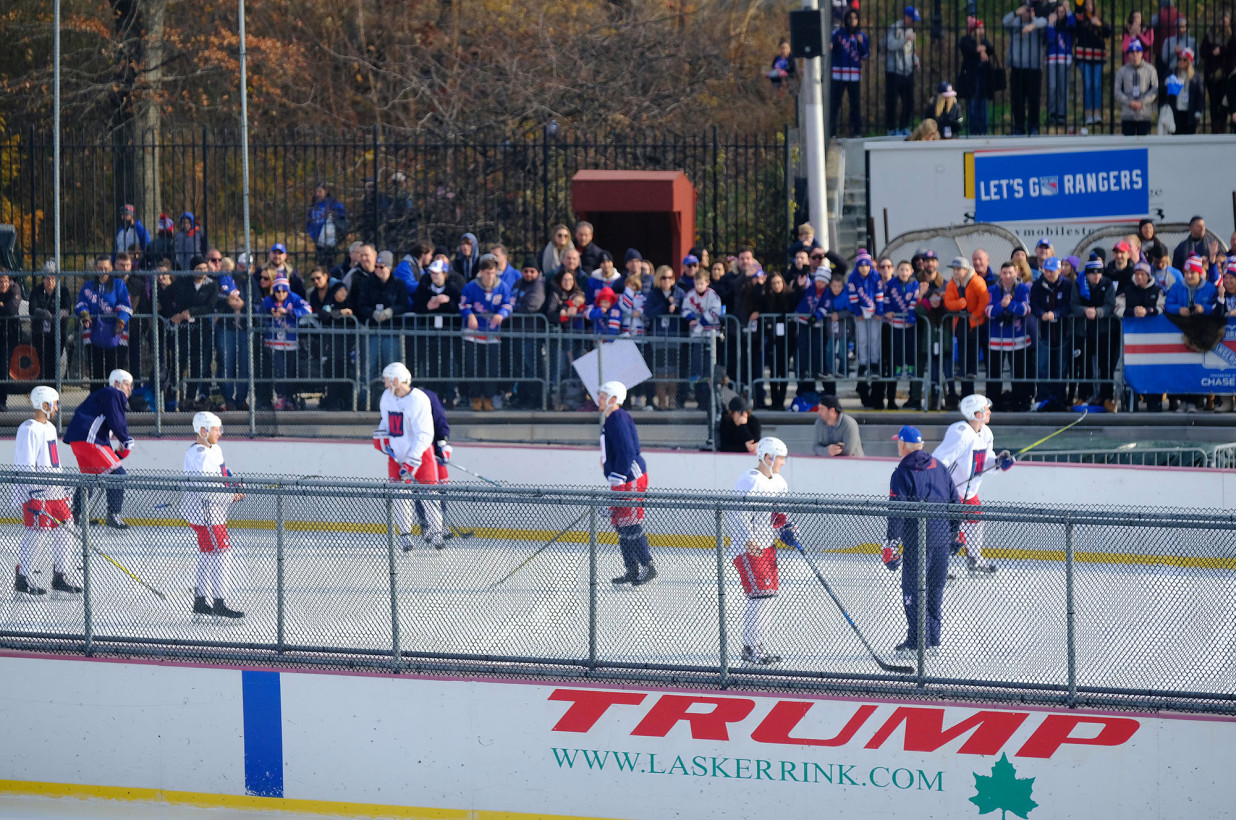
{"x":44,"y":508}
{"x":405,"y":435}
{"x":206,"y":511}
{"x":967,"y":452}
{"x":753,"y":538}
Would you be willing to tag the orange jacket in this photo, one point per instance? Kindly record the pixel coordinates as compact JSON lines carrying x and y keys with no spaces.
{"x":974,"y":302}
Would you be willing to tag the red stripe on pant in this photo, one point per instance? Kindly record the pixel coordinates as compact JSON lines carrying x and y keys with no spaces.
{"x":758,"y":572}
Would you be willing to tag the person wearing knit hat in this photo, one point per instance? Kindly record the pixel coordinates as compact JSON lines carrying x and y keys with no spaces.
{"x":131,"y":232}
{"x":1071,"y":267}
{"x":282,"y":311}
{"x":866,"y":296}
{"x":1098,"y":334}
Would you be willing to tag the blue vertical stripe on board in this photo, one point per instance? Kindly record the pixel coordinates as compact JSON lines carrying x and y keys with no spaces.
{"x":263,"y":733}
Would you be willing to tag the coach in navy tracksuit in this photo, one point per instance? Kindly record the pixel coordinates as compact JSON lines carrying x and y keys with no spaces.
{"x":626,"y":471}
{"x":919,"y":477}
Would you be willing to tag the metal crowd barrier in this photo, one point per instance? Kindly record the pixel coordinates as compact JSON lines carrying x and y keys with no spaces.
{"x":333,"y":573}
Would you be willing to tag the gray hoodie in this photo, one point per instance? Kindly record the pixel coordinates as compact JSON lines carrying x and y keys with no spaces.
{"x":900,"y":57}
{"x":1025,"y":50}
{"x":1137,"y":83}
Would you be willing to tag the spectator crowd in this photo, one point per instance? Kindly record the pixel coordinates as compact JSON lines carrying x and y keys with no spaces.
{"x":1040,"y":329}
{"x":1159,"y":69}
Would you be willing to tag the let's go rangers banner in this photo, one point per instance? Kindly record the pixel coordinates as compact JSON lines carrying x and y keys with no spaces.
{"x":1157,"y":359}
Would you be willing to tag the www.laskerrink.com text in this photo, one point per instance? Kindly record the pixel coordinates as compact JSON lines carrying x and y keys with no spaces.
{"x":742,"y":768}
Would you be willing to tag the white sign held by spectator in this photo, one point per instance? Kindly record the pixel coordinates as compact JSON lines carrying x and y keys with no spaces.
{"x":620,"y":361}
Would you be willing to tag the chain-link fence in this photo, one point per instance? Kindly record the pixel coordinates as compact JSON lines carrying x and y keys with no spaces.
{"x":1129,"y":607}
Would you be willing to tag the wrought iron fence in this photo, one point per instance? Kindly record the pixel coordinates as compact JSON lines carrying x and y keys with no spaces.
{"x":1053,"y":92}
{"x":1084,"y":610}
{"x":505,"y":188}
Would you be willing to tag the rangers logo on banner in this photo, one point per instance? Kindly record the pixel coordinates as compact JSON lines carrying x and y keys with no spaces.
{"x":1157,"y":359}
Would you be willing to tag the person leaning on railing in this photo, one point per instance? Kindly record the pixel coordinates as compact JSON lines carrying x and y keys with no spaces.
{"x":326,"y":298}
{"x":380,"y":307}
{"x":103,"y":311}
{"x":663,"y":315}
{"x":1099,"y":336}
{"x":1142,"y":299}
{"x":1051,"y":299}
{"x":10,"y":327}
{"x":484,"y":305}
{"x":281,"y":312}
{"x":198,"y":298}
{"x":1225,"y":303}
{"x":46,"y":310}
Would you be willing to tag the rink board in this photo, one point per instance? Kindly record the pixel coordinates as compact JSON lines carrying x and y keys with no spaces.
{"x":375,"y":745}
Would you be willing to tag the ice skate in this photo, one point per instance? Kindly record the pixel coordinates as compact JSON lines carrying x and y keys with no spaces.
{"x":221,"y":609}
{"x":436,"y":541}
{"x":25,"y":587}
{"x":647,"y":574}
{"x":61,"y":584}
{"x":116,"y":522}
{"x":200,"y":607}
{"x":979,"y":569}
{"x":906,"y":649}
{"x":630,"y":577}
{"x":758,"y":655}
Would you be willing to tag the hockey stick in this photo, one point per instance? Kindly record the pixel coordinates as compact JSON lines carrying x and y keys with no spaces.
{"x":474,"y":475}
{"x":544,"y":547}
{"x":1030,"y":447}
{"x":113,"y":561}
{"x":886,"y":666}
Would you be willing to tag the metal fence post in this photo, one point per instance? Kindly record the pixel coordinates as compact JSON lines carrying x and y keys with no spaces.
{"x":394,"y":573}
{"x":712,"y":394}
{"x":592,"y":587}
{"x":723,"y":637}
{"x":921,"y":637}
{"x":1070,"y":619}
{"x":280,"y":600}
{"x":87,"y":590}
{"x":155,"y":327}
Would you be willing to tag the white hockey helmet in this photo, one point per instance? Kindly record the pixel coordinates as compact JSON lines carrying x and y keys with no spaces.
{"x":119,"y":375}
{"x":43,"y":395}
{"x":972,"y":405}
{"x":397,"y":372}
{"x":205,"y":419}
{"x":770,"y":446}
{"x":615,"y":390}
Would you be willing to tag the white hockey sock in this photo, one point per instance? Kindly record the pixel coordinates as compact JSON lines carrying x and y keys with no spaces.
{"x":433,"y":518}
{"x":755,"y":619}
{"x":60,"y":550}
{"x":201,"y":583}
{"x":405,"y":516}
{"x":974,"y":539}
{"x":27,"y":551}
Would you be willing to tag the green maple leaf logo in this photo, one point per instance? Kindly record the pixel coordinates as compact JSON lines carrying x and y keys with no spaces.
{"x":1003,"y":790}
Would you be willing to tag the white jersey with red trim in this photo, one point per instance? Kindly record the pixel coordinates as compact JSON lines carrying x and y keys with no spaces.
{"x":37,"y":449}
{"x":755,"y":525}
{"x":409,"y":421}
{"x":966,"y":454}
{"x":206,"y":508}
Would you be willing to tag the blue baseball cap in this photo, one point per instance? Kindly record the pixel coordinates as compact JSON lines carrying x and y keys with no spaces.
{"x":689,"y":259}
{"x":913,"y":14}
{"x":1051,"y":263}
{"x":278,"y":247}
{"x":1134,"y":46}
{"x":909,"y":434}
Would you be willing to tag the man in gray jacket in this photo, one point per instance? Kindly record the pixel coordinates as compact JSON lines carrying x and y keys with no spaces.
{"x":1025,"y":66}
{"x":1137,"y":86}
{"x":836,"y":433}
{"x":899,"y":65}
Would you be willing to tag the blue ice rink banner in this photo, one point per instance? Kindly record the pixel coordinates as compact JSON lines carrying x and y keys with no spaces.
{"x":1157,"y":360}
{"x":1065,"y":185}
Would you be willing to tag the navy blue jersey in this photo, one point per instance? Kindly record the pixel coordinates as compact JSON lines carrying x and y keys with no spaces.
{"x":919,"y":477}
{"x":100,"y":415}
{"x":441,"y":427}
{"x":620,"y":447}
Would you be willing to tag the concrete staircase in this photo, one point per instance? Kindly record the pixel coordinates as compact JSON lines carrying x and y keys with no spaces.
{"x":846,"y":175}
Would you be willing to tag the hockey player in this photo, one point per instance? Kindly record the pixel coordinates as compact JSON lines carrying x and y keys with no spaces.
{"x":919,"y":477}
{"x":43,"y":507}
{"x":206,"y":512}
{"x":406,"y":435}
{"x":627,"y":472}
{"x":967,"y":453}
{"x":89,"y":434}
{"x":754,"y":534}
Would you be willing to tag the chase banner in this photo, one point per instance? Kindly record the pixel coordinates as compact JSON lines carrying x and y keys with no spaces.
{"x":1065,"y":185}
{"x":1157,"y":360}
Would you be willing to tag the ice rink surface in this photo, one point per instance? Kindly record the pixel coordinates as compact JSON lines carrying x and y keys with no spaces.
{"x":1166,"y":623}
